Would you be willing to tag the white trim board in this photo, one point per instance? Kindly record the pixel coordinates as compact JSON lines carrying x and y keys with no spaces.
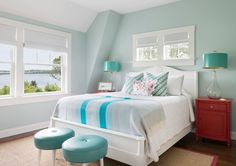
{"x":23,"y":129}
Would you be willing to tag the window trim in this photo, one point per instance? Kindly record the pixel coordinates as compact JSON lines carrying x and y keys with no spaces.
{"x":17,"y":95}
{"x":160,"y":35}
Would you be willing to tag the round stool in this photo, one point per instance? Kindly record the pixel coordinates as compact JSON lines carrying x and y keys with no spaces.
{"x":85,"y":149}
{"x":51,"y":139}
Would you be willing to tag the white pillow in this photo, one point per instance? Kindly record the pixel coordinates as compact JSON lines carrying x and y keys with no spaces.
{"x":174,"y":85}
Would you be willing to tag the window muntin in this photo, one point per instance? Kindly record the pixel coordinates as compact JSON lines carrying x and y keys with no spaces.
{"x":6,"y":65}
{"x":167,"y":47}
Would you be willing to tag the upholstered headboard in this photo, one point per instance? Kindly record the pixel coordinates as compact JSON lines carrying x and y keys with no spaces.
{"x":190,"y":78}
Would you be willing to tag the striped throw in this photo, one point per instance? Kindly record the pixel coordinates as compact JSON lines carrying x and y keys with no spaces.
{"x":129,"y":81}
{"x":161,"y":83}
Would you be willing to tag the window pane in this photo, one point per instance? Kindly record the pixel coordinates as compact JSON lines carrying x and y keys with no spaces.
{"x":37,"y":56}
{"x":177,"y":51}
{"x":148,"y":53}
{"x":42,"y":78}
{"x":5,"y":79}
{"x":30,"y":55}
{"x":5,"y":53}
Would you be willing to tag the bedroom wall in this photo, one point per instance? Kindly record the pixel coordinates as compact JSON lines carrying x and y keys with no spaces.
{"x":99,"y":40}
{"x":215,"y":30}
{"x":26,"y":114}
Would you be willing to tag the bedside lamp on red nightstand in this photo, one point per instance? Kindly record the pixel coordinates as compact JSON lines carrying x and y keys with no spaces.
{"x":214,"y":61}
{"x":112,"y":66}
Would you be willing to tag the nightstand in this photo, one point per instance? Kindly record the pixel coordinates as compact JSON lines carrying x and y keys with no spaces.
{"x":213,"y":119}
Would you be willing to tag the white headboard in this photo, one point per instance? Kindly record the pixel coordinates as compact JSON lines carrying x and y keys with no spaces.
{"x":190,"y":78}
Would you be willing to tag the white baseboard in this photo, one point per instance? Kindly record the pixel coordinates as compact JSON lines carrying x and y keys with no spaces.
{"x":23,"y":129}
{"x":233,"y":135}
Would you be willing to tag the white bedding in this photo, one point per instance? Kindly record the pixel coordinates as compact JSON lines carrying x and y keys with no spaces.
{"x":178,"y":115}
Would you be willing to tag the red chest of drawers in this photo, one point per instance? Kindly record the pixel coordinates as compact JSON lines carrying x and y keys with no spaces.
{"x":213,"y":119}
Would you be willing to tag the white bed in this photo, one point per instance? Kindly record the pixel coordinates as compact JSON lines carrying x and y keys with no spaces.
{"x":131,"y":149}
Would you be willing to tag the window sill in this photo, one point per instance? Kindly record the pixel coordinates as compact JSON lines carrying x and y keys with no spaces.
{"x":8,"y":101}
{"x":174,"y":62}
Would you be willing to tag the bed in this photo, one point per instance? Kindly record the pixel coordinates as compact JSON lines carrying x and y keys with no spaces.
{"x":136,"y":144}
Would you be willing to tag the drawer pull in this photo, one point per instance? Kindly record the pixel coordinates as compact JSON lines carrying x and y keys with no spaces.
{"x":211,"y":106}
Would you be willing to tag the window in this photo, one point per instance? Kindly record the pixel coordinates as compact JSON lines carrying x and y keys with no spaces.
{"x":34,"y":61}
{"x":6,"y":65}
{"x":43,"y":70}
{"x":147,"y":49}
{"x":172,"y":47}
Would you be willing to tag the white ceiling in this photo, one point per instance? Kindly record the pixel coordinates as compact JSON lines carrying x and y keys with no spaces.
{"x":73,"y":14}
{"x":121,"y":6}
{"x":63,"y":13}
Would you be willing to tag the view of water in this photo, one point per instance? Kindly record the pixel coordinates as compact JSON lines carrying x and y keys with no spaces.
{"x":41,"y":79}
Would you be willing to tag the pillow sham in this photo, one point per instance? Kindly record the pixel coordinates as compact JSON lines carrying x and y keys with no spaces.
{"x":129,"y":81}
{"x":174,"y":85}
{"x":161,"y":83}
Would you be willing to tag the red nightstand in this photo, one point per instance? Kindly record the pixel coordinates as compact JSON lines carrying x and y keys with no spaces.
{"x":213,"y":118}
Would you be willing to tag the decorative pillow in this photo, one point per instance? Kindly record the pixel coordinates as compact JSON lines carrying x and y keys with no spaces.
{"x":129,"y":81}
{"x":143,"y":88}
{"x":175,"y":84}
{"x":161,"y":83}
{"x":139,"y":88}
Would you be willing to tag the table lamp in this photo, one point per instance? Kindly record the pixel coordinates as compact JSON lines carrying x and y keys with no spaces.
{"x":214,"y":61}
{"x":112,"y":66}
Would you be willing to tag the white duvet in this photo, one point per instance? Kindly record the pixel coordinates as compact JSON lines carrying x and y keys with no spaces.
{"x":177,"y":111}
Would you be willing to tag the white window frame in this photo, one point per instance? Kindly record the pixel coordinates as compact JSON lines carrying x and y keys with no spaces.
{"x":160,"y":35}
{"x":17,"y":95}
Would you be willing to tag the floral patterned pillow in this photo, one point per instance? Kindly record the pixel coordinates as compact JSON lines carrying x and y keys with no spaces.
{"x":143,"y":88}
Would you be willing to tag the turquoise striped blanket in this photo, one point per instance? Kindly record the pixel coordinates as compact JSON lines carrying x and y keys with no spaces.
{"x":123,"y":114}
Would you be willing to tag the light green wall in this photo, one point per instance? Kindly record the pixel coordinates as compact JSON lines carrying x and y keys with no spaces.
{"x":99,"y":40}
{"x":215,"y":30}
{"x":19,"y":115}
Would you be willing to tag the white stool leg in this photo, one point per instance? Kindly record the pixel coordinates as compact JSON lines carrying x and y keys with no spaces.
{"x":85,"y":164}
{"x":39,"y":156}
{"x":101,"y":162}
{"x":53,"y":157}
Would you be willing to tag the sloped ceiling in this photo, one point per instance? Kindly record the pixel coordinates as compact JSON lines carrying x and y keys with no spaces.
{"x":73,"y":14}
{"x":63,"y":13}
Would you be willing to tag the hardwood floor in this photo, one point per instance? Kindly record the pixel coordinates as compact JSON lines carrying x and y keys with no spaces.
{"x":227,"y":155}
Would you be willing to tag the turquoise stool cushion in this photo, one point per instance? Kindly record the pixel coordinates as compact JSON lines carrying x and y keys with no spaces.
{"x":52,"y":138}
{"x":84,"y":149}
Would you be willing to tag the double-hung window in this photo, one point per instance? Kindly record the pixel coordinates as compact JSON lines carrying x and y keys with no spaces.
{"x":34,"y":61}
{"x":174,"y":47}
{"x":44,"y":57}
